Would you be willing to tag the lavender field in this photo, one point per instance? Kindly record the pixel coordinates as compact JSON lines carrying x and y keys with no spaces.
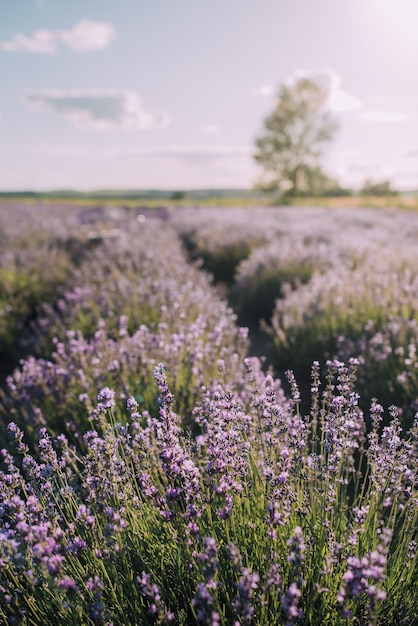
{"x":208,"y":416}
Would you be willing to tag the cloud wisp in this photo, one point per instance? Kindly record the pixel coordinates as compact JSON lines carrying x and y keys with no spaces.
{"x":188,"y":152}
{"x":86,"y":35}
{"x":339,"y":100}
{"x":265,"y":91}
{"x":186,"y":166}
{"x":207,"y":160}
{"x":98,"y":109}
{"x":379,"y":116}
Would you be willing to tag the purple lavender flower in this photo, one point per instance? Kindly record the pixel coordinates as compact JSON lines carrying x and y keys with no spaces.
{"x":16,"y":434}
{"x":76,"y":546}
{"x":362,"y":576}
{"x":274,"y":582}
{"x":85,"y":515}
{"x":132,"y":405}
{"x":152,"y":592}
{"x":95,"y":584}
{"x":67,"y":584}
{"x":297,"y":554}
{"x":106,"y":399}
{"x":290,"y":603}
{"x":246,"y":587}
{"x":166,"y":397}
{"x":209,"y":560}
{"x":202,"y":603}
{"x":247,"y":584}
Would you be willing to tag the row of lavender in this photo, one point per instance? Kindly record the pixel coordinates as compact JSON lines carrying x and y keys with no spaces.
{"x":129,"y":301}
{"x":324,"y":284}
{"x":194,"y":491}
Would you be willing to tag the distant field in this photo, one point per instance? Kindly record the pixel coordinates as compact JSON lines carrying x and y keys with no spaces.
{"x":148,"y":198}
{"x":203,"y":198}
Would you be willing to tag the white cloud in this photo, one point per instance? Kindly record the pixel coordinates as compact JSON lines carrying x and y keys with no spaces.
{"x":98,"y":109}
{"x":42,"y":41}
{"x":379,"y":116}
{"x":265,"y":91}
{"x":86,"y":35}
{"x":338,"y":100}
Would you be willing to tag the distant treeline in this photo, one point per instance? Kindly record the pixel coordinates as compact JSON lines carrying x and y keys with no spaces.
{"x":136,"y":194}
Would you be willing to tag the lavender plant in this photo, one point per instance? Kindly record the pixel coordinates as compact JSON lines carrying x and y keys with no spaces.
{"x":220,"y":250}
{"x":131,"y":309}
{"x":40,"y":249}
{"x":271,"y":271}
{"x":125,"y":275}
{"x":59,"y":392}
{"x":330,"y":315}
{"x":388,"y":365}
{"x":32,"y":270}
{"x":264,"y":518}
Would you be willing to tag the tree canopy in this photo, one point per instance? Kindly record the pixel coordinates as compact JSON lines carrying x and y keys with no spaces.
{"x":294,"y":138}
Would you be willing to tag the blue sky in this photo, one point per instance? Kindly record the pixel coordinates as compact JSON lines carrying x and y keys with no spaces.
{"x":172,"y":93}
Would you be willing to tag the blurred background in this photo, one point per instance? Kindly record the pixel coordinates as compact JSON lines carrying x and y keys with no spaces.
{"x":172,"y":95}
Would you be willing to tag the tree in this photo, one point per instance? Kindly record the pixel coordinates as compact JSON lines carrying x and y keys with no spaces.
{"x":295,"y":134}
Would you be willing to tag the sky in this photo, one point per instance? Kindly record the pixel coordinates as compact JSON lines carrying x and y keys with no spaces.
{"x":171,"y":94}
